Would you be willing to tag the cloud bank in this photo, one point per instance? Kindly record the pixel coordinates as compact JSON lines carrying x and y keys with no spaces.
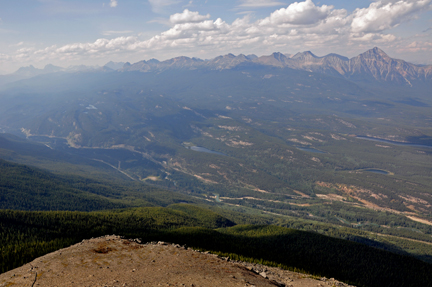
{"x":383,"y":15}
{"x":259,"y":3}
{"x":300,"y":26}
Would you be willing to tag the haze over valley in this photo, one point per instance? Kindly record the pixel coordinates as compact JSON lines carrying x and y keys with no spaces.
{"x":314,"y":164}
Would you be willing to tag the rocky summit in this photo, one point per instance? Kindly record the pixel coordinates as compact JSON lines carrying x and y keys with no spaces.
{"x":114,"y":261}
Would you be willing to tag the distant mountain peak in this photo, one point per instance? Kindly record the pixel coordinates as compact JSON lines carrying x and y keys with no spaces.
{"x":26,"y":69}
{"x":305,"y":55}
{"x":310,"y":54}
{"x":333,"y":55}
{"x":279,"y":57}
{"x":377,"y":50}
{"x":153,"y":61}
{"x":375,"y":53}
{"x":114,"y":65}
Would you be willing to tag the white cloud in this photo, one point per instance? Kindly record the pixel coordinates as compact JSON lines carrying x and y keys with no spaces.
{"x":159,"y":6}
{"x":298,"y":13}
{"x":108,"y":33}
{"x":417,"y":46}
{"x":188,"y":17}
{"x":300,"y":26}
{"x":259,"y":3}
{"x":4,"y":56}
{"x":373,"y":37}
{"x":113,"y":3}
{"x":383,"y":15}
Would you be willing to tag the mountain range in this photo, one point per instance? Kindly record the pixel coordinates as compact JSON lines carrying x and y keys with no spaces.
{"x":373,"y":65}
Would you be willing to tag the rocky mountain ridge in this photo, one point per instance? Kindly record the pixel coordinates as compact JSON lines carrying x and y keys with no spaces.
{"x":373,"y":65}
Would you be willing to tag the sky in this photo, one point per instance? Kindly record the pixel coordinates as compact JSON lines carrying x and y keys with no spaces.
{"x":94,"y":32}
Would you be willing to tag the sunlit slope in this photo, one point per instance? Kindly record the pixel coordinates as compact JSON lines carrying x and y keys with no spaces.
{"x":28,"y":188}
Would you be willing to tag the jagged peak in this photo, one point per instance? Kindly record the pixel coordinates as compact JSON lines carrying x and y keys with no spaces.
{"x":309,"y":53}
{"x":305,"y":54}
{"x":153,"y":61}
{"x":374,"y":53}
{"x":377,"y":50}
{"x":227,"y":56}
{"x":333,"y":55}
{"x":278,"y":56}
{"x":27,"y":68}
{"x":181,"y":58}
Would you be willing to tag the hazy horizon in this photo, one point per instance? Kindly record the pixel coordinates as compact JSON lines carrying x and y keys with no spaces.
{"x":95,"y":32}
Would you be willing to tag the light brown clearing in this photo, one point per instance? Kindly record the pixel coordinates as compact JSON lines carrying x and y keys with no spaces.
{"x":331,"y":196}
{"x":420,"y":220}
{"x":414,"y":199}
{"x":233,"y":143}
{"x":205,"y":179}
{"x":152,"y":177}
{"x":351,"y":191}
{"x":300,"y":204}
{"x":299,"y":141}
{"x":260,"y":190}
{"x":252,"y":198}
{"x":301,"y":193}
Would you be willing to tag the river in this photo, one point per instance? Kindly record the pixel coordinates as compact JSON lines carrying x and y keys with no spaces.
{"x":392,"y":142}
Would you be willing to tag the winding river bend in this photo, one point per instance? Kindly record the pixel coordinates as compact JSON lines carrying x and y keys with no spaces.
{"x":309,"y":149}
{"x":392,"y":142}
{"x":203,"y":149}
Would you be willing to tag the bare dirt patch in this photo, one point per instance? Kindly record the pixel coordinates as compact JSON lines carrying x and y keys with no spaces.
{"x":301,"y":193}
{"x":420,"y":220}
{"x":129,"y":263}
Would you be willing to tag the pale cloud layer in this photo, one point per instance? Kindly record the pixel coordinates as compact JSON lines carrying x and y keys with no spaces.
{"x":159,"y":6}
{"x":108,"y":33}
{"x":188,"y":17}
{"x":300,"y":26}
{"x":302,"y":13}
{"x":383,"y":15}
{"x":113,"y":3}
{"x":259,"y":3}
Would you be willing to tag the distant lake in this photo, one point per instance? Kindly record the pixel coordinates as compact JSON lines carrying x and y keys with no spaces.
{"x":203,"y":149}
{"x":309,"y":149}
{"x":392,"y":142}
{"x":380,"y":171}
{"x":217,"y":198}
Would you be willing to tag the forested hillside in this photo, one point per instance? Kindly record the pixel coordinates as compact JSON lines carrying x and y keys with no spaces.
{"x":26,"y":235}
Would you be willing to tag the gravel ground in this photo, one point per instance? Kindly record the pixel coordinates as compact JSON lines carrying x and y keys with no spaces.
{"x":112,"y":261}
